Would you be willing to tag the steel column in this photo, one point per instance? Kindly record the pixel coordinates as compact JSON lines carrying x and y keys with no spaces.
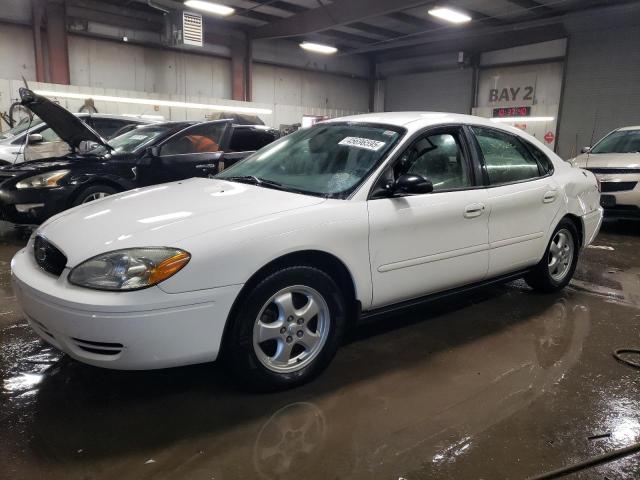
{"x":57,"y":40}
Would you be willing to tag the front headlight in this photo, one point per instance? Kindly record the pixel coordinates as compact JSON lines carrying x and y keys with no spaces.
{"x":44,"y":180}
{"x":129,"y":269}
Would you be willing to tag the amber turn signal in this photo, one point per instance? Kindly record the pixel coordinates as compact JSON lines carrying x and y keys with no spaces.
{"x":169,"y":267}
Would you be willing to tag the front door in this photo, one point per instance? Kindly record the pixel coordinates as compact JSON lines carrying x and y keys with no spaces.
{"x":193,"y":152}
{"x":421,"y":244}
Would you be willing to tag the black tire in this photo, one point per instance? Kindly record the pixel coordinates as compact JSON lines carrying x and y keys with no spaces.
{"x":540,"y":278}
{"x":84,"y":195}
{"x":239,"y":351}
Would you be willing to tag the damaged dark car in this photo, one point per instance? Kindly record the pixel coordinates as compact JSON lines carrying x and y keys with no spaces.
{"x":32,"y":192}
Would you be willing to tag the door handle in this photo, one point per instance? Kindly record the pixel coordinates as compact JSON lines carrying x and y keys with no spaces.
{"x":550,"y":196}
{"x":474,"y":210}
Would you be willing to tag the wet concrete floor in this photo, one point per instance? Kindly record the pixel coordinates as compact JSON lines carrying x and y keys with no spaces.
{"x":501,"y":383}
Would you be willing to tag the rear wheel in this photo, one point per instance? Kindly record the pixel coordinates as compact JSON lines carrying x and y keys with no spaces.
{"x":287,"y":330}
{"x":556,"y":268}
{"x":94,"y":192}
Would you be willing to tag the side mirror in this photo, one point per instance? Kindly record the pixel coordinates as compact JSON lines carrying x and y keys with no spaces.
{"x":153,"y":152}
{"x":586,"y":149}
{"x":35,"y":138}
{"x":411,"y":184}
{"x":86,"y":146}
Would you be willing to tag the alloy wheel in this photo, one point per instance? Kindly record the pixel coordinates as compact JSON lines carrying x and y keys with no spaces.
{"x":94,"y":196}
{"x":561,"y":254}
{"x":291,"y":329}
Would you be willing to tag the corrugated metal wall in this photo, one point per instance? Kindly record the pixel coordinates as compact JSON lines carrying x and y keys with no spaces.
{"x":445,"y":91}
{"x":602,"y":89}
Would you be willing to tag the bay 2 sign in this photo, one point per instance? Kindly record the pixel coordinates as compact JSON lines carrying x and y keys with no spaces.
{"x":511,"y":94}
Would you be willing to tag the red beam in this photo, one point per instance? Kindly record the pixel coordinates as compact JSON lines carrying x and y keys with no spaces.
{"x":57,"y":40}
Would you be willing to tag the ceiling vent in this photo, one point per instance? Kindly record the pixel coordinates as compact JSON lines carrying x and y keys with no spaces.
{"x":192,"y":29}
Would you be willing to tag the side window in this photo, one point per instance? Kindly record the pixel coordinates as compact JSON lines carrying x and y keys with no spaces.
{"x":546,"y":165}
{"x":199,"y":139}
{"x":250,"y":139}
{"x":48,"y":135}
{"x":506,"y":158}
{"x":106,"y":127}
{"x":440,"y":158}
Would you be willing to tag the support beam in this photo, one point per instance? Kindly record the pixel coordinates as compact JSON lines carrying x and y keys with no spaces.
{"x":38,"y":14}
{"x":331,"y":15}
{"x":241,"y":52}
{"x":57,"y":41}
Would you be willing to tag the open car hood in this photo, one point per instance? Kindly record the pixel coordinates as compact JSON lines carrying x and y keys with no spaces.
{"x":66,"y":125}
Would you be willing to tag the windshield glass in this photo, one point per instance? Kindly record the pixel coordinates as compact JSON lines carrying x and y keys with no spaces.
{"x":622,"y":141}
{"x":135,"y":139}
{"x":329,"y":159}
{"x":20,"y":127}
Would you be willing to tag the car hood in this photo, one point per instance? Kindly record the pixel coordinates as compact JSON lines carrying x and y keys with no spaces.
{"x":608,"y":160}
{"x":66,"y":125}
{"x":162,"y":215}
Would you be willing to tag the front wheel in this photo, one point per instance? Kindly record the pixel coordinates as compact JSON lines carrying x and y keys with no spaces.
{"x":287,"y":329}
{"x":556,"y":268}
{"x":94,"y":192}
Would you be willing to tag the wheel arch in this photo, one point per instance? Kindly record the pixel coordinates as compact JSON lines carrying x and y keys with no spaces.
{"x":322,"y":260}
{"x":92,"y":182}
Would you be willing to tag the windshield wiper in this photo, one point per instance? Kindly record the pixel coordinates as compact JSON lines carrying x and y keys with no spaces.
{"x":253,"y":180}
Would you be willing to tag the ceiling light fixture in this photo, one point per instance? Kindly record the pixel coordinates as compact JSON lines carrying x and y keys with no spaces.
{"x":153,"y":102}
{"x":318,"y":48}
{"x":522,"y":119}
{"x":450,"y":15}
{"x":209,"y":7}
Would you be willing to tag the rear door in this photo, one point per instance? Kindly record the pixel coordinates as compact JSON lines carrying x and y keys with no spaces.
{"x":523,"y":199}
{"x":193,"y":152}
{"x":243,"y":141}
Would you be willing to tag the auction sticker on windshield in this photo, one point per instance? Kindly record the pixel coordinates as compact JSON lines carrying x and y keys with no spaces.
{"x":138,"y":137}
{"x":366,"y":143}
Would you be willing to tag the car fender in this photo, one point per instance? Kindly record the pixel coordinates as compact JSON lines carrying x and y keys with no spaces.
{"x":232,"y":255}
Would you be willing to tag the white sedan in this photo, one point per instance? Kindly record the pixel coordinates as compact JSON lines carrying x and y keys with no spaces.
{"x":267,"y":264}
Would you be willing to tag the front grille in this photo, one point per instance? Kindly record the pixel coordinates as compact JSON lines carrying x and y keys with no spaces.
{"x":617,"y":186}
{"x":99,"y":348}
{"x":48,"y":257}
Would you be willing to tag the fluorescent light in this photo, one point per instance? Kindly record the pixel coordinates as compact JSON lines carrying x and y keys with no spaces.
{"x":143,"y":116}
{"x":318,"y":47}
{"x":522,"y":119}
{"x":209,"y":7}
{"x":450,"y":15}
{"x":152,"y":102}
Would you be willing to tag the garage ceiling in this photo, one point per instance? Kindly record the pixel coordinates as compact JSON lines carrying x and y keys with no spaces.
{"x":379,"y":28}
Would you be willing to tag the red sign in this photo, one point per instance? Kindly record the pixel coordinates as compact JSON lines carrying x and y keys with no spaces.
{"x":549,"y":137}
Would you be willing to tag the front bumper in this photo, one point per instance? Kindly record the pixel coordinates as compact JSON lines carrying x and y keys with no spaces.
{"x":620,"y":195}
{"x":145,"y":329}
{"x":49,"y":201}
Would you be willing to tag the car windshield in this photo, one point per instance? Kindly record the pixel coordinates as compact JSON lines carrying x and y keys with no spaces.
{"x":20,"y":127}
{"x":329,"y":159}
{"x":135,"y":139}
{"x":622,"y":141}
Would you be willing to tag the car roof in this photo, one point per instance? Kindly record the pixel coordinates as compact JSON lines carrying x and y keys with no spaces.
{"x":636,"y":127}
{"x":414,"y":121}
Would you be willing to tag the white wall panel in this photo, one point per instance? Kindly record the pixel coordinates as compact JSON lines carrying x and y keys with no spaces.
{"x":17,"y":57}
{"x":440,"y":91}
{"x":101,"y":63}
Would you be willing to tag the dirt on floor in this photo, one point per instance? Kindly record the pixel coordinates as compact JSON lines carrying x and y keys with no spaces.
{"x":502,"y":383}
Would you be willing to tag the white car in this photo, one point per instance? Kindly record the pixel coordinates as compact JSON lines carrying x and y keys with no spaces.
{"x":268,"y":263}
{"x":34,"y":140}
{"x":615,"y":160}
